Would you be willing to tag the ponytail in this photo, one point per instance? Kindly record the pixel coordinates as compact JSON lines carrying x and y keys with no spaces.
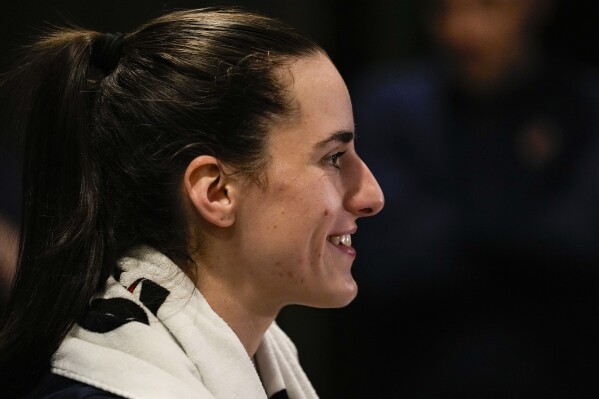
{"x":62,"y":259}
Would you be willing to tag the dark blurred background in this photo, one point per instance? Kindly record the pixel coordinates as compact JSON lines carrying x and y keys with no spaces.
{"x":480,"y":118}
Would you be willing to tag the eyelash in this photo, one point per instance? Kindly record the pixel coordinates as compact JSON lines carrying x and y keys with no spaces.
{"x":332,"y":159}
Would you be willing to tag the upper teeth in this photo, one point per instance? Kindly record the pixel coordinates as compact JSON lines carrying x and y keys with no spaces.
{"x":344,"y":239}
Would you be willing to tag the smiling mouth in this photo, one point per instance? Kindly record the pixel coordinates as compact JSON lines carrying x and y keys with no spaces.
{"x":344,"y":239}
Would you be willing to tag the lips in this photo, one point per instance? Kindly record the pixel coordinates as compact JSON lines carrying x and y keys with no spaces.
{"x":343,"y":239}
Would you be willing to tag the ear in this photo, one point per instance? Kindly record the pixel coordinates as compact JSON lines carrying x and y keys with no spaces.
{"x":206,"y":186}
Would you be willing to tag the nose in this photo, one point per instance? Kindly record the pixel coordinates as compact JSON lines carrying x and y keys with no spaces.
{"x":365,"y":197}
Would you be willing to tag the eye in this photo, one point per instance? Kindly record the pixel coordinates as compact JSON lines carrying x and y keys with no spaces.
{"x":333,"y":159}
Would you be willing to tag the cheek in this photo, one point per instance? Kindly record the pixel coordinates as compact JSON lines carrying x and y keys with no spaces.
{"x":282,"y":272}
{"x":306,"y":202}
{"x":301,"y":214}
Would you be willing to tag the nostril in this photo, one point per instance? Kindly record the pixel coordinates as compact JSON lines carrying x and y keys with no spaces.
{"x":367,"y":211}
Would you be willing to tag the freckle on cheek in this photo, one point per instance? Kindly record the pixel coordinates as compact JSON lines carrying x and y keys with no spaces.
{"x":326,"y":212}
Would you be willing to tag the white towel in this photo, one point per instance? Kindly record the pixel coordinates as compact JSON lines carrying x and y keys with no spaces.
{"x":151,"y":334}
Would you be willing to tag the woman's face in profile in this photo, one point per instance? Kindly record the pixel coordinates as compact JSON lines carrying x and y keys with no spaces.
{"x":297,"y":230}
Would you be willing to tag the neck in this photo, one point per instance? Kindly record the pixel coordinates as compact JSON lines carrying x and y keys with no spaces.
{"x":234,"y":306}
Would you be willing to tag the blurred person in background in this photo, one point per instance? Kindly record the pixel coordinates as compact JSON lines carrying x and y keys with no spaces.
{"x":486,"y":278}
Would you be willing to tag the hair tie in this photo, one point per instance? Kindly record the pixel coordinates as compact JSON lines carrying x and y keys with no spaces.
{"x":107,"y":51}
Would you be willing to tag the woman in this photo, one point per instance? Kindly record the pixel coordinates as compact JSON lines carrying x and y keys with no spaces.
{"x":197,"y":178}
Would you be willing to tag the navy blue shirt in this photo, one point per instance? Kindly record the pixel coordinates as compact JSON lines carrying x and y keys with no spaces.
{"x":53,"y":386}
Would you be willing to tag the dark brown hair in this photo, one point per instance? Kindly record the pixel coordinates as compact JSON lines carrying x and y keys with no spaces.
{"x":105,"y":153}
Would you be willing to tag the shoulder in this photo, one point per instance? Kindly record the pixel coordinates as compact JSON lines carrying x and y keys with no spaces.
{"x":53,"y":386}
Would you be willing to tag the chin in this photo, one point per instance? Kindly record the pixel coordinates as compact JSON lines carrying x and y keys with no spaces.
{"x":337,"y":299}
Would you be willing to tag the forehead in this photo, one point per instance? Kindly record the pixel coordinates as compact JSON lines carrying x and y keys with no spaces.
{"x":320,"y":98}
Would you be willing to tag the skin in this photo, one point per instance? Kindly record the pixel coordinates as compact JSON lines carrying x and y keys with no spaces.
{"x":266,"y":247}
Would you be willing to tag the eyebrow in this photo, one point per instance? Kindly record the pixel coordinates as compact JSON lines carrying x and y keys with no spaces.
{"x":342,"y":136}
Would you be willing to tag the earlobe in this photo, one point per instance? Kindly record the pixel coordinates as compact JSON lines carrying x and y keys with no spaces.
{"x":209,"y":192}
